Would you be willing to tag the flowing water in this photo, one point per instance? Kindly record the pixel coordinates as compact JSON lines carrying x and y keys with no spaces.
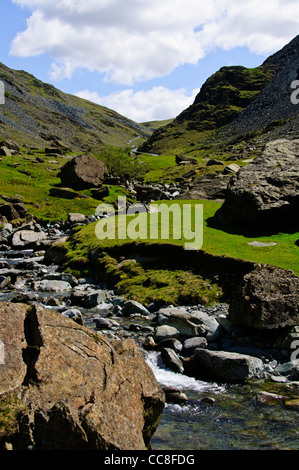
{"x":231,"y":417}
{"x":235,"y":421}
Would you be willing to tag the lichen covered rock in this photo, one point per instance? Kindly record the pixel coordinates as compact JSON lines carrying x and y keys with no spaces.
{"x":74,"y":389}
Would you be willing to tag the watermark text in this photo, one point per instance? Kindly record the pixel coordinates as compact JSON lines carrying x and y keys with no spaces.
{"x":295,"y":353}
{"x":295,"y":94}
{"x":159,"y":221}
{"x":2,"y":355}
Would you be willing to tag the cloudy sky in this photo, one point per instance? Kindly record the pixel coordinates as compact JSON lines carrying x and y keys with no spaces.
{"x":146,"y":59}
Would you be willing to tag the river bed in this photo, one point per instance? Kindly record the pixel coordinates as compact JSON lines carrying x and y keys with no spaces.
{"x":235,"y":421}
{"x":216,"y":416}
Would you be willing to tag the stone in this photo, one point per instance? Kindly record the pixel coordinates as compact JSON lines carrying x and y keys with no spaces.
{"x":27,"y":238}
{"x":174,"y":395}
{"x":100,"y":193}
{"x":149,"y":343}
{"x":53,"y":150}
{"x":148,"y":193}
{"x":292,"y":404}
{"x":164,"y":332}
{"x":171,"y":343}
{"x":261,"y":244}
{"x":212,"y":187}
{"x":5,"y":281}
{"x":5,"y":152}
{"x":73,"y":389}
{"x":171,"y":360}
{"x":105,"y":308}
{"x":93,"y":298}
{"x":191,"y":344}
{"x":103,"y":323}
{"x":213,"y":162}
{"x":181,"y":159}
{"x":131,"y":306}
{"x":225,"y":367}
{"x":13,"y":211}
{"x":83,"y":172}
{"x":263,"y":195}
{"x":10,"y":144}
{"x":212,"y":329}
{"x":288,"y":369}
{"x":52,"y":286}
{"x":76,"y":218}
{"x":74,"y":314}
{"x":57,"y":251}
{"x":232,"y":168}
{"x":266,"y":298}
{"x":269,"y":398}
{"x":187,"y":324}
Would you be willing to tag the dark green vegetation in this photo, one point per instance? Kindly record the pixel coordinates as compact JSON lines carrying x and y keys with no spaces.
{"x":10,"y":409}
{"x":143,"y":279}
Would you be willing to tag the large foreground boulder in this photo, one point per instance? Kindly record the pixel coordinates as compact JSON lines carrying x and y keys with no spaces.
{"x":65,"y":387}
{"x":83,"y":172}
{"x":264,"y":195}
{"x":266,"y":298}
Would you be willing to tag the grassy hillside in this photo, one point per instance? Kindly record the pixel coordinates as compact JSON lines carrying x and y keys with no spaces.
{"x":221,"y":99}
{"x":145,"y":279}
{"x":31,"y":175}
{"x":284,"y":253}
{"x":34,"y":112}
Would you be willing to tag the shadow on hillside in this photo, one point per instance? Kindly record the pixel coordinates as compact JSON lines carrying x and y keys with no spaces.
{"x":249,"y":232}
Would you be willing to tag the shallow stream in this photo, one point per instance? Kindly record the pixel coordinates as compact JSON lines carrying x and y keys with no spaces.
{"x":235,"y":421}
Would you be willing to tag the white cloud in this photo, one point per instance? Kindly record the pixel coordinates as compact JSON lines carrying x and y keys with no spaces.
{"x":135,"y":40}
{"x":158,"y":103}
{"x":129,"y":41}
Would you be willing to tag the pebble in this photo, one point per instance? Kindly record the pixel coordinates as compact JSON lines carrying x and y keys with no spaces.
{"x":86,"y":303}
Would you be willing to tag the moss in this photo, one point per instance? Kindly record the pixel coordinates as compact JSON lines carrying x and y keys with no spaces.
{"x":165,"y":286}
{"x":11,"y":408}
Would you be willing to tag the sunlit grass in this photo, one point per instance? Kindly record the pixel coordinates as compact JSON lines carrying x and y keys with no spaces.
{"x":284,"y":254}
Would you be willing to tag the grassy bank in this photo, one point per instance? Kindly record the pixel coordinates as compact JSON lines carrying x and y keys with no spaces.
{"x":284,"y":253}
{"x":147,"y":279}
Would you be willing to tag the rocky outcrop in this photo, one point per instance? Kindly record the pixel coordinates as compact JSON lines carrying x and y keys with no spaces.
{"x":83,"y":172}
{"x":212,"y":186}
{"x":267,"y":298}
{"x":220,"y":101}
{"x":264,"y":195}
{"x":13,"y":211}
{"x":65,"y":387}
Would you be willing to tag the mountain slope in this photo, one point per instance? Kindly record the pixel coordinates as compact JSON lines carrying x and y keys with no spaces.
{"x":235,"y":102}
{"x":273,"y":111}
{"x":34,"y":112}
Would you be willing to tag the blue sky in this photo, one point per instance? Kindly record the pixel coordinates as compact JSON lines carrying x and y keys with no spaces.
{"x":146,"y":59}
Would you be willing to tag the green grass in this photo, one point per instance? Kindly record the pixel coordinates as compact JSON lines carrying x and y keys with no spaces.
{"x":33,"y":187}
{"x":163,"y":168}
{"x":284,"y":254}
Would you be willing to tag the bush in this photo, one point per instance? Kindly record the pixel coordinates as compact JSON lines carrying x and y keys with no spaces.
{"x":121,"y":164}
